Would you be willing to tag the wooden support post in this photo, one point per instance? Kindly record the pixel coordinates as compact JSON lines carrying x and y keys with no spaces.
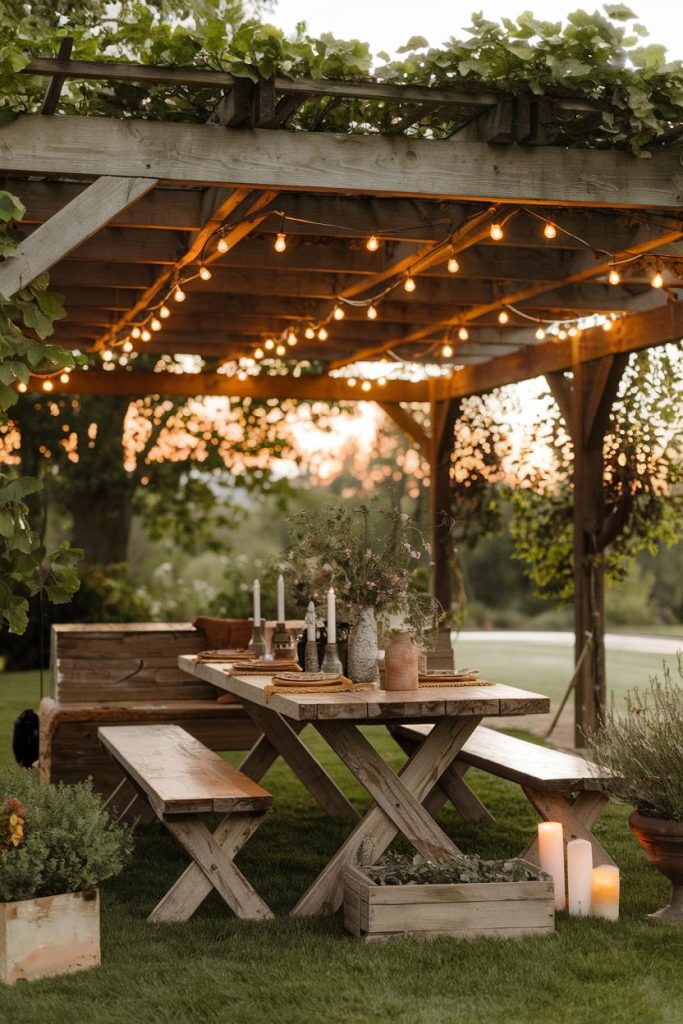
{"x":443,"y":417}
{"x":585,"y":402}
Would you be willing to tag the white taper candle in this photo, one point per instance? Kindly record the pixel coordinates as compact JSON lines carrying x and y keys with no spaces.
{"x":257,"y":603}
{"x":331,"y":617}
{"x":280,"y":598}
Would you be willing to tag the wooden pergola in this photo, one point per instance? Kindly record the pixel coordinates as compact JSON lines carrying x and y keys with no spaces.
{"x":124,"y":212}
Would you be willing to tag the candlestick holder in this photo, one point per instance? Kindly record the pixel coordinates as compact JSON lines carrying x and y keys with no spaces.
{"x":331,"y":662}
{"x":311,"y":660}
{"x":281,"y":644}
{"x":257,"y":644}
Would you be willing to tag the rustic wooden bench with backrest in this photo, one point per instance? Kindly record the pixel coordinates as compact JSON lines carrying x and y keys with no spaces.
{"x":182,"y":780}
{"x":127,"y":673}
{"x":561,"y":786}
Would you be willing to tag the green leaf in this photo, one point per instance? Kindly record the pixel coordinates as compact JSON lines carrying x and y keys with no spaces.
{"x":11,"y":208}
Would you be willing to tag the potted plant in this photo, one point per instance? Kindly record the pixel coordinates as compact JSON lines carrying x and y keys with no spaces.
{"x":641,"y":754}
{"x":56,"y":844}
{"x":369,"y":555}
{"x":463,"y":897}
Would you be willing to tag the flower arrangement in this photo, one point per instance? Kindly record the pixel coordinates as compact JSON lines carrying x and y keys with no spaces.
{"x":54,"y":839}
{"x":370,"y":555}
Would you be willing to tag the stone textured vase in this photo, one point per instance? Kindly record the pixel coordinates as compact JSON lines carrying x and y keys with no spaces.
{"x":662,"y":840}
{"x":402,"y":662}
{"x":362,"y":648}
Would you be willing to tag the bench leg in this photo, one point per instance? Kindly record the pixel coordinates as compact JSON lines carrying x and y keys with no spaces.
{"x":212,"y":868}
{"x":577,"y":819}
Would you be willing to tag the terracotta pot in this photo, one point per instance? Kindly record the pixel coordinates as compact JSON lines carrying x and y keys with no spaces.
{"x":662,"y":840}
{"x":401,"y":663}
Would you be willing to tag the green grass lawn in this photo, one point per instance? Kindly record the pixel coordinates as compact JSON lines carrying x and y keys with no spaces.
{"x":216,"y":969}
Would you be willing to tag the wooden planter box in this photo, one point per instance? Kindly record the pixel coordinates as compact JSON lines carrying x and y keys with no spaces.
{"x":49,"y":935}
{"x":499,"y":909}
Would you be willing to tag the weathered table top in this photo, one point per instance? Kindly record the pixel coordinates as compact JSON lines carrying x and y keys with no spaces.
{"x":426,"y":703}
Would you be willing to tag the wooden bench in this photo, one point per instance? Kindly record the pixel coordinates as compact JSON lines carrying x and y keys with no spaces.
{"x":561,"y":786}
{"x":118,"y":673}
{"x":181,"y":779}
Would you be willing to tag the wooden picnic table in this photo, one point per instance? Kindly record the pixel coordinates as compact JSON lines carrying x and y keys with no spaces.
{"x":404,"y":801}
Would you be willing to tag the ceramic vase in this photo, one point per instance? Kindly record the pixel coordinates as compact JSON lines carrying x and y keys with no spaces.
{"x":362,"y":648}
{"x":401,"y":659}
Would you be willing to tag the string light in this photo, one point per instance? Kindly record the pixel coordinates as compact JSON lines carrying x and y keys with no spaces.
{"x":155,"y":324}
{"x":550,"y":231}
{"x":496,"y":232}
{"x":351,"y":381}
{"x":280,"y":242}
{"x":323,"y":334}
{"x":269,"y":344}
{"x":657,"y":281}
{"x":371,"y":313}
{"x":562,"y":335}
{"x":179,"y":294}
{"x":107,"y":356}
{"x":127,"y":345}
{"x":366,"y":385}
{"x":447,"y":351}
{"x":607,"y":325}
{"x":135,"y":333}
{"x":222,"y":245}
{"x":503,"y":316}
{"x":205,"y":273}
{"x":146,"y":336}
{"x":573,"y":332}
{"x":540,"y":334}
{"x":309,"y":333}
{"x":614,"y":277}
{"x":242,"y":375}
{"x":22,"y":387}
{"x":409,"y":284}
{"x":381,"y":381}
{"x":280,"y":350}
{"x":463,"y":333}
{"x":292,"y":339}
{"x":258,"y":353}
{"x":164,"y":312}
{"x":64,"y":377}
{"x":47,"y":385}
{"x":338,"y":313}
{"x":372,"y":244}
{"x":453,"y":265}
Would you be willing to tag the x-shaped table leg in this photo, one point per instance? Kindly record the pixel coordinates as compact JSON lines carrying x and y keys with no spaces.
{"x":577,"y":819}
{"x":398,"y":803}
{"x":212,"y":868}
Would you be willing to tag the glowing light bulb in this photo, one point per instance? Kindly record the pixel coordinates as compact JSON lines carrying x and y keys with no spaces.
{"x":323,"y":334}
{"x":371,"y":313}
{"x":381,"y":381}
{"x":155,"y":324}
{"x":280,"y":350}
{"x":503,"y":317}
{"x":135,"y":333}
{"x":572,"y":332}
{"x":366,"y":385}
{"x":205,"y":273}
{"x":64,"y":377}
{"x":496,"y":232}
{"x":280,"y":242}
{"x":127,"y":346}
{"x":292,"y":339}
{"x":145,"y":335}
{"x":258,"y":353}
{"x":22,"y":387}
{"x":409,"y":284}
{"x":47,"y":385}
{"x":222,"y":245}
{"x":562,"y":335}
{"x":338,"y":313}
{"x":657,"y":281}
{"x":107,"y":356}
{"x":179,"y":295}
{"x":351,"y":381}
{"x":242,"y":375}
{"x":269,"y":344}
{"x":607,"y":326}
{"x":447,"y":351}
{"x":614,"y":277}
{"x":550,"y":231}
{"x":164,"y":312}
{"x":463,"y":333}
{"x":540,"y":334}
{"x":309,"y":333}
{"x":453,"y":265}
{"x":372,"y":244}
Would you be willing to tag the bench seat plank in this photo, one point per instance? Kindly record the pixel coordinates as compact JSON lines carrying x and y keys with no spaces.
{"x":178,"y":774}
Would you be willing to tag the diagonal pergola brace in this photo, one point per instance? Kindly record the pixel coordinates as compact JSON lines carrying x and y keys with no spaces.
{"x":70,"y":227}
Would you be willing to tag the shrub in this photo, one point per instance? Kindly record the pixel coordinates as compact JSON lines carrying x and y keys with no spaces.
{"x":395,"y":869}
{"x":641,"y":751}
{"x":54,"y":839}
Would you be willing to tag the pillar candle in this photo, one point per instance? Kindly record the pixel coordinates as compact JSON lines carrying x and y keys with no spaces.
{"x":331,"y":617}
{"x":310,"y":621}
{"x":579,"y":876}
{"x":257,"y":603}
{"x":280,"y":598}
{"x":551,"y":856}
{"x":605,"y":892}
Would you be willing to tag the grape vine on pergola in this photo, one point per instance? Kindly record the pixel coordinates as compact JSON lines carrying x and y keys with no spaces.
{"x":510,"y":237}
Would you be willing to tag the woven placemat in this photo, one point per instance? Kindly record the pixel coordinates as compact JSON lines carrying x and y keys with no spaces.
{"x":315,"y":683}
{"x":444,"y":680}
{"x":228,"y":654}
{"x":262,"y":668}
